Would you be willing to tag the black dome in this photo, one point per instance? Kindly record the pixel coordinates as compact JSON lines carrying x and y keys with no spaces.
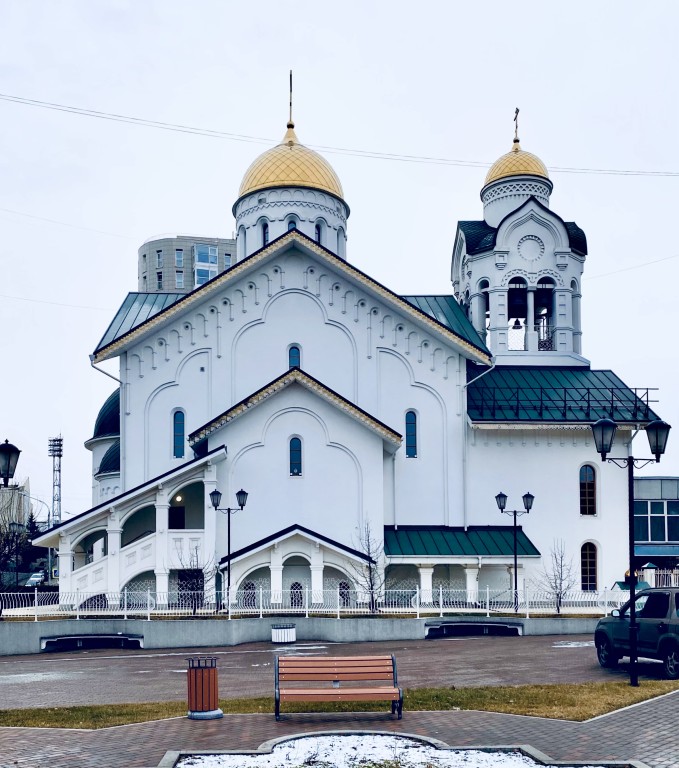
{"x":108,"y":420}
{"x":111,"y":460}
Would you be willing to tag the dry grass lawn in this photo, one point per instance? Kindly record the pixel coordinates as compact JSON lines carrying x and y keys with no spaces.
{"x":566,"y":702}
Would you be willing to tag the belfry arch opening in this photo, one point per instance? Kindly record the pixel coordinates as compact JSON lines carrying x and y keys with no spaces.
{"x":530,"y":311}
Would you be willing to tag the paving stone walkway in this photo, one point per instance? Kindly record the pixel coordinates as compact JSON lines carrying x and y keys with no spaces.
{"x":647,"y":732}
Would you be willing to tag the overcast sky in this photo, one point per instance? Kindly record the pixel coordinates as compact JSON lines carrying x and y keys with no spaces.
{"x":596,"y":84}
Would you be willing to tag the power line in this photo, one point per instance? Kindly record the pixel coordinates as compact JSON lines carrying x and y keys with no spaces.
{"x":370,"y":154}
{"x":629,"y":269}
{"x":65,"y":224}
{"x":54,"y":303}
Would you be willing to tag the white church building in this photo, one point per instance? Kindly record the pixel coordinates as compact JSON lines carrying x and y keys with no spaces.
{"x":348,"y":412}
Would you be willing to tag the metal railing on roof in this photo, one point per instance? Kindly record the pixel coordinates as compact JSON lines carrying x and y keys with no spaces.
{"x":560,"y":403}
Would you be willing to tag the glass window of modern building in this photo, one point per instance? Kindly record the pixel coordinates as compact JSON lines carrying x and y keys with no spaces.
{"x":179,"y":278}
{"x":179,"y":257}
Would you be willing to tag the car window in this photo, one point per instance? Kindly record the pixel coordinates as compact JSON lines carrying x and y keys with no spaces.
{"x":639,"y":604}
{"x":656,"y":606}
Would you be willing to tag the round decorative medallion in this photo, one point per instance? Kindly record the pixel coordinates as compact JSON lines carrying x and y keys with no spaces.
{"x":530,"y":247}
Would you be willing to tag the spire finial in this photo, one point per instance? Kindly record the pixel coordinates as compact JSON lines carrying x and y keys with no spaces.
{"x":290,"y":123}
{"x":516,"y":126}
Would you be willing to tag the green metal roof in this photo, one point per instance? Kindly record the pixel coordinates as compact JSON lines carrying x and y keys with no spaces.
{"x":448,"y":312}
{"x":135,"y":310}
{"x":441,"y":541}
{"x":561,"y":394}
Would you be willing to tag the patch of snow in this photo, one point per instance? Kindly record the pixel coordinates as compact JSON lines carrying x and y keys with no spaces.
{"x":356,"y":750}
{"x":574,"y":644}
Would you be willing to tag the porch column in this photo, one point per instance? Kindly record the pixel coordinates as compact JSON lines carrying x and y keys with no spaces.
{"x":316,"y":567}
{"x":531,"y":343}
{"x":210,"y":559}
{"x":276,"y":571}
{"x":160,"y":568}
{"x":113,"y":535}
{"x":65,"y":564}
{"x":471,"y":578}
{"x":426,"y":580}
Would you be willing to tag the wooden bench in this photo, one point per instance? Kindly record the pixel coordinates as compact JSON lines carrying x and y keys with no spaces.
{"x":337,"y":670}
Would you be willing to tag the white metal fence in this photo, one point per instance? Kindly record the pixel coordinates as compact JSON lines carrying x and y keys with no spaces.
{"x":336,"y":603}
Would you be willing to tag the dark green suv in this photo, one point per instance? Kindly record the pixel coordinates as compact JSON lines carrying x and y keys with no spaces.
{"x":658,"y":618}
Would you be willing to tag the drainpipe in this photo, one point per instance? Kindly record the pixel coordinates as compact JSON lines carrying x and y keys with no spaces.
{"x":464,"y":441}
{"x":101,"y":370}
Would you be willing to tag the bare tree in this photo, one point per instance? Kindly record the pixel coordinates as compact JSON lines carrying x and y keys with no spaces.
{"x":369,"y":575}
{"x":194,"y":575}
{"x":558,"y":575}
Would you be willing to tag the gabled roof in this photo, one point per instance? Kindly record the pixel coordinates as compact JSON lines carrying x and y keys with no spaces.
{"x":140,"y":314}
{"x":442,"y":541}
{"x":481,"y":237}
{"x":296,"y":376}
{"x":448,"y":312}
{"x":524,"y":393}
{"x":125,"y":495}
{"x":290,"y":531}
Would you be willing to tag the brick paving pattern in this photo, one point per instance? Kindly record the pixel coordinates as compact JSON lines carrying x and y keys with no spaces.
{"x":646,"y":732}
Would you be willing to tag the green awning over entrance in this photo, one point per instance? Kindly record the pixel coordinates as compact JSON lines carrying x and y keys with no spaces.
{"x":442,"y":541}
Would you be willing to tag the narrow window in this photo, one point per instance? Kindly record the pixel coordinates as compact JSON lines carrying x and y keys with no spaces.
{"x":587,"y":490}
{"x":295,"y":457}
{"x":292,"y":224}
{"x":411,"y":435}
{"x":227,"y":260}
{"x":317,"y":234}
{"x":179,"y":257}
{"x":159,"y":281}
{"x":265,"y":234}
{"x":588,"y":576}
{"x":179,"y":278}
{"x":178,"y":434}
{"x":294,"y":357}
{"x":159,"y":258}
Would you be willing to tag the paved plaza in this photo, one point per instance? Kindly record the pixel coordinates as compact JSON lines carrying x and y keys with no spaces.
{"x":645,"y":732}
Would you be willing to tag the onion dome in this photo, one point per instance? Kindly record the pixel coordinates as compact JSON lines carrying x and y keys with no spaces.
{"x":290,"y":164}
{"x":516,"y":163}
{"x":110,"y":463}
{"x":108,"y":419}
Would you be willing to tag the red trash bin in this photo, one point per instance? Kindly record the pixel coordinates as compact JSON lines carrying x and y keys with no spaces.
{"x":203,"y":690}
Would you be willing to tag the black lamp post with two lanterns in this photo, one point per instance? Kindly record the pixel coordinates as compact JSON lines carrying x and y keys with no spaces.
{"x":657,"y":431}
{"x":501,"y":501}
{"x":216,"y":500}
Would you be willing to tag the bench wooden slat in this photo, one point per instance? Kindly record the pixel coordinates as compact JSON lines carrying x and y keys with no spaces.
{"x":337,"y":669}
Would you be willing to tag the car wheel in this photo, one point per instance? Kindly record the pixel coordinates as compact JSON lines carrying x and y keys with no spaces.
{"x":671,"y":663}
{"x":604,"y":651}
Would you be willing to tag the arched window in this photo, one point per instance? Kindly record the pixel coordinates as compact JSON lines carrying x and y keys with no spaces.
{"x":341,"y":240}
{"x":411,"y":435}
{"x":296,"y":598}
{"x":265,"y":233}
{"x":178,"y":435}
{"x":295,"y":457}
{"x":588,"y":575}
{"x":318,"y":232}
{"x":587,"y":490}
{"x":294,"y":357}
{"x":292,"y":224}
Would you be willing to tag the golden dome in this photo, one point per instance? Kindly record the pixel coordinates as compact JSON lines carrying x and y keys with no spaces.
{"x":516,"y":163}
{"x":290,"y":164}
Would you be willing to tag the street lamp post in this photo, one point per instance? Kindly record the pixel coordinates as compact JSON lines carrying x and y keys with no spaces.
{"x":657,"y":431}
{"x":9,"y":456}
{"x":501,"y":501}
{"x":216,"y":499}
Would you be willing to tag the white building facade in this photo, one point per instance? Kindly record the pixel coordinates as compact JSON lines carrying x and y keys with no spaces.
{"x":370,"y":430}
